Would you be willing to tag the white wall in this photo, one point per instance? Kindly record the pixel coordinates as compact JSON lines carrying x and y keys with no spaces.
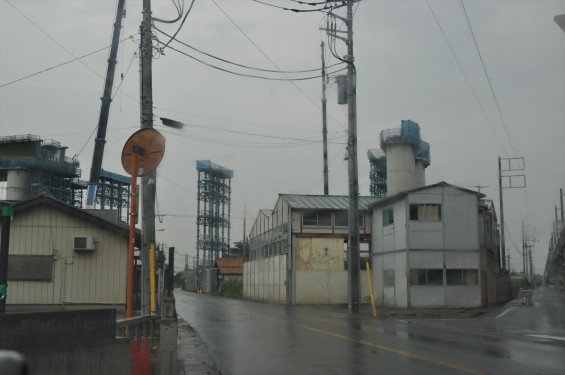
{"x":265,"y":279}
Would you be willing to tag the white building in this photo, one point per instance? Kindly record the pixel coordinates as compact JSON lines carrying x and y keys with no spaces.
{"x":428,"y":250}
{"x":298,"y":250}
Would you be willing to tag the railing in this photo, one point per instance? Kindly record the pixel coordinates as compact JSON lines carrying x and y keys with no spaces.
{"x":138,"y":327}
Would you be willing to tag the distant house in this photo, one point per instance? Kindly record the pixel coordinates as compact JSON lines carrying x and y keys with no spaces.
{"x":436,"y":246}
{"x":229,"y":268}
{"x":298,"y":250}
{"x":60,"y":254}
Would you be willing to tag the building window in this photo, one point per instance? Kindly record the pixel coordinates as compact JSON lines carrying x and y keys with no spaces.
{"x":317,"y":218}
{"x":429,"y":212}
{"x":424,"y":277}
{"x":461,"y":277}
{"x":388,"y":278}
{"x":388,"y":217}
{"x":341,"y":218}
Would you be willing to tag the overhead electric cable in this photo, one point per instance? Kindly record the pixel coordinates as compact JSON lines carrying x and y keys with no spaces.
{"x":242,"y":65}
{"x":61,"y":64}
{"x":250,"y":75}
{"x":466,"y":77}
{"x":181,"y":24}
{"x":316,"y":104}
{"x":298,"y":10}
{"x":488,"y":78}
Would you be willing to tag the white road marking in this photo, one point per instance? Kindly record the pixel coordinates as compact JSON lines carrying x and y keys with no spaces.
{"x":548,"y":337}
{"x":505,"y":312}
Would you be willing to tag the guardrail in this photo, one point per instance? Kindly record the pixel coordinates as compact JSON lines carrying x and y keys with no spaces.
{"x":138,"y":327}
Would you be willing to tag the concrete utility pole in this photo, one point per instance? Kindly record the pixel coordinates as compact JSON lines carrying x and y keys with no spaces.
{"x":7,"y":214}
{"x":353,"y":237}
{"x":324,"y":123}
{"x":147,"y":182}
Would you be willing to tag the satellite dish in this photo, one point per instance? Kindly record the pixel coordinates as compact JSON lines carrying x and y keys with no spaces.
{"x":149,"y":144}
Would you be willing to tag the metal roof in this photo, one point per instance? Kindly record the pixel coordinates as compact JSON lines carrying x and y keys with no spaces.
{"x":325,"y":202}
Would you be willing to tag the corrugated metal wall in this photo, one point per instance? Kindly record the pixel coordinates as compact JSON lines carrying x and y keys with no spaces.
{"x":88,"y":277}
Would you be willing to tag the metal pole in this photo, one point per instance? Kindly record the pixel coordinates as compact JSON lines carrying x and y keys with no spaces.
{"x":502,"y":244}
{"x":561,"y":198}
{"x":324,"y":123}
{"x":353,"y":236}
{"x":7,"y":213}
{"x":148,"y":181}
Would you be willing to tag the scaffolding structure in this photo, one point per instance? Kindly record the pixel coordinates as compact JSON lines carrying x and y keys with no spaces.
{"x":32,"y":166}
{"x":114,"y":194}
{"x":213,"y":213}
{"x":377,"y":174}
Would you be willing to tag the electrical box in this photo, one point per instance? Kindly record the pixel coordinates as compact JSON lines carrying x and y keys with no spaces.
{"x":83,"y":243}
{"x":341,"y":89}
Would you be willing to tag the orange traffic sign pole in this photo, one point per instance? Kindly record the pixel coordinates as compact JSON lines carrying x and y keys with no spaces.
{"x":133,"y":213}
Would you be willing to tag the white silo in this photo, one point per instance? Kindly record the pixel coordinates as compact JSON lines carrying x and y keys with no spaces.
{"x":400,"y":146}
{"x":16,"y":185}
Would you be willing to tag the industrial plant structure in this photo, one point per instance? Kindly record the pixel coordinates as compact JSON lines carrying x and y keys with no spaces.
{"x":213,"y":213}
{"x":32,"y":166}
{"x":401,"y":163}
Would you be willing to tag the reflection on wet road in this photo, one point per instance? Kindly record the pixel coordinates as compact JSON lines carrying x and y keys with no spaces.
{"x":256,"y":338}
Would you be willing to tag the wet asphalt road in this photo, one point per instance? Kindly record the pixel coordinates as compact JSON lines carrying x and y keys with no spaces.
{"x":245,"y":337}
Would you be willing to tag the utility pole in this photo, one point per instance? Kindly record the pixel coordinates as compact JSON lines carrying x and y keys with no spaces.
{"x":324,"y":123}
{"x":502,"y":244}
{"x":353,"y":236}
{"x":514,"y":169}
{"x":353,"y":270}
{"x":147,"y":182}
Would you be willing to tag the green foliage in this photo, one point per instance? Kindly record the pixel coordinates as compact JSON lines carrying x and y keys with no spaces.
{"x":232,"y":288}
{"x":239,"y":250}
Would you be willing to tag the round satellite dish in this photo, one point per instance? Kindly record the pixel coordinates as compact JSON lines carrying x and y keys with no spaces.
{"x":149,"y":144}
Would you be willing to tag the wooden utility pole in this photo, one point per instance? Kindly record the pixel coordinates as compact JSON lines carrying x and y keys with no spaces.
{"x":147,"y":182}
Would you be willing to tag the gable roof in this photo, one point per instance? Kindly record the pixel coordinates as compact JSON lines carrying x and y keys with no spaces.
{"x":325,"y":202}
{"x":230,"y":266}
{"x":403,"y":194}
{"x":71,"y":210}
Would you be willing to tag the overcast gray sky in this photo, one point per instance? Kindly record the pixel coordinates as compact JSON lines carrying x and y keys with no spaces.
{"x":406,"y":70}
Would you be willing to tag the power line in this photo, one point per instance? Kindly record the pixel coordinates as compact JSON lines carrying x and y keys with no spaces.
{"x":248,"y":75}
{"x":317,"y":105}
{"x":61,"y":64}
{"x":243,"y":65}
{"x":465,"y":75}
{"x":488,"y":78}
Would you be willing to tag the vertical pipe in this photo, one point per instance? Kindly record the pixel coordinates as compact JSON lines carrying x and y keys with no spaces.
{"x":370,"y":281}
{"x":152,"y":277}
{"x":133,"y":213}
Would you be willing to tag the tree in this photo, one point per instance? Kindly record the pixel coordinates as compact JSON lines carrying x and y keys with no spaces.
{"x":239,"y":250}
{"x":179,"y":279}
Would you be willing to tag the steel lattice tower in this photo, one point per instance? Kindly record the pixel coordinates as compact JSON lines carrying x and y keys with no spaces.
{"x":213,"y":213}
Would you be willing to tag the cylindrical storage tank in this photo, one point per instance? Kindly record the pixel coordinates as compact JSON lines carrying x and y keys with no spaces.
{"x":16,"y":185}
{"x":400,"y":166}
{"x":420,"y":173}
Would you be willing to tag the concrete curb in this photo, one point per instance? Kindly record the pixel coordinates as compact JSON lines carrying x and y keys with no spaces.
{"x":193,"y":354}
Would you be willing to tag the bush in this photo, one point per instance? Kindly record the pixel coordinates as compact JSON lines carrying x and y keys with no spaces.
{"x":232,"y":288}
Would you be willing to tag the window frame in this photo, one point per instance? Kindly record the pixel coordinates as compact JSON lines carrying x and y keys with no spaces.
{"x":414,"y":212}
{"x":388,"y":216}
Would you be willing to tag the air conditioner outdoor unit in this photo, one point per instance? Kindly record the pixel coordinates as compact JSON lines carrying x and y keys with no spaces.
{"x":81,"y":243}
